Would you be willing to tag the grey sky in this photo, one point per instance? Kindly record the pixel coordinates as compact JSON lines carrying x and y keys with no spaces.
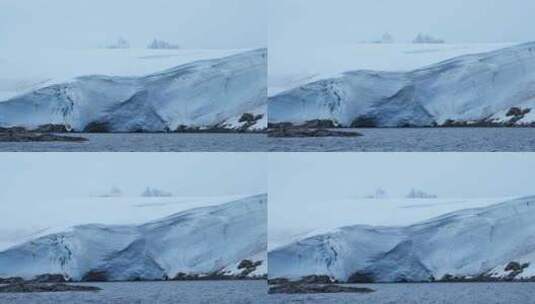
{"x":296,"y":178}
{"x":90,"y":23}
{"x":312,"y":192}
{"x":350,"y":21}
{"x":26,"y":176}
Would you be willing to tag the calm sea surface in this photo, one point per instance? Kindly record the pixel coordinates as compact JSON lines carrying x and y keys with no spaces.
{"x":374,"y":140}
{"x":171,"y":292}
{"x":249,"y":292}
{"x":417,"y":140}
{"x":437,"y":293}
{"x":151,"y":142}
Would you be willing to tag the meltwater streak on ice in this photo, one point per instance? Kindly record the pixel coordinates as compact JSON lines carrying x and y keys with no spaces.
{"x":467,"y":243}
{"x":211,"y":93}
{"x":479,"y":87}
{"x":199,"y":241}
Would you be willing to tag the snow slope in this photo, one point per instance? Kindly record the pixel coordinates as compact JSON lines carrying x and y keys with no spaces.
{"x":25,"y":70}
{"x":201,"y":94}
{"x":470,"y":243}
{"x":329,"y":215}
{"x":291,"y":67}
{"x":470,"y":88}
{"x":52,"y":215}
{"x":200,"y":241}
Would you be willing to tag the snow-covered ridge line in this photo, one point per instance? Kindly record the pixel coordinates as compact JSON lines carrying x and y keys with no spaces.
{"x":492,"y":243}
{"x":487,"y":89}
{"x":222,"y":241}
{"x":225,"y":94}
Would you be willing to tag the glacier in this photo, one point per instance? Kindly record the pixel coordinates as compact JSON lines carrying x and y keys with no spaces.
{"x":492,"y":88}
{"x":226,"y":93}
{"x":201,"y":242}
{"x":490,"y":243}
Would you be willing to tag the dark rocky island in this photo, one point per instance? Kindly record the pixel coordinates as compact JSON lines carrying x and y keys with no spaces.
{"x":302,"y":288}
{"x":289,"y":130}
{"x":19,"y":134}
{"x":43,"y":287}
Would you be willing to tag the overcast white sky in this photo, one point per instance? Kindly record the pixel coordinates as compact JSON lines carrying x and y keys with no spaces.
{"x":91,"y":23}
{"x":295,"y":178}
{"x":317,"y":191}
{"x":27,"y":176}
{"x":351,"y":21}
{"x":45,"y":192}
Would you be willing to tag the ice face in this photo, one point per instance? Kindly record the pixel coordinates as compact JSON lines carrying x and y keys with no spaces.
{"x":471,"y":88}
{"x":199,"y":241}
{"x":212,"y":93}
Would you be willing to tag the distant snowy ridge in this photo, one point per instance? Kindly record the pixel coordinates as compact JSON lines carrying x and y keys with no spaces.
{"x":481,"y":244}
{"x":216,"y":241}
{"x":223,"y":93}
{"x":493,"y":88}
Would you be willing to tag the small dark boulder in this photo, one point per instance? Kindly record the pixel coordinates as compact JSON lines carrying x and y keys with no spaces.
{"x":514,"y":111}
{"x":247,"y":117}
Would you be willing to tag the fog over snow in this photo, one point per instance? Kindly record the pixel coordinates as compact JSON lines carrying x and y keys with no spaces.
{"x":347,"y":21}
{"x":313,"y":40}
{"x":198,"y":24}
{"x":47,"y":192}
{"x":310,"y":193}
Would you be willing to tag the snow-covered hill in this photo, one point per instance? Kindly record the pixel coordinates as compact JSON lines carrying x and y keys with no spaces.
{"x":223,"y":93}
{"x":488,"y":243}
{"x":496,"y":87}
{"x":227,"y":239}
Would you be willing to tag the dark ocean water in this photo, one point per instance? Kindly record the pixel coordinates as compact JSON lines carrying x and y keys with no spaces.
{"x":416,"y":140}
{"x":151,"y":142}
{"x":374,"y":140}
{"x":436,"y":293}
{"x":171,"y":292}
{"x":250,"y":292}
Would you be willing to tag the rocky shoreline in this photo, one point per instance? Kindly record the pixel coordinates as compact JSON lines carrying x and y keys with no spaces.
{"x":301,"y":288}
{"x":18,"y":134}
{"x":44,"y":287}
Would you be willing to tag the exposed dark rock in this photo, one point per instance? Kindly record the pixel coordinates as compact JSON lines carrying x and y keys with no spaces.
{"x":248,"y":266}
{"x":250,"y":120}
{"x":18,"y":134}
{"x":248,"y":117}
{"x":215,"y":276}
{"x":361,"y":277}
{"x":316,"y":279}
{"x":11,"y":280}
{"x":97,"y":127}
{"x":278,"y":281}
{"x":95,"y":276}
{"x":319,"y":123}
{"x":308,"y":132}
{"x":51,"y":128}
{"x":363,"y":122}
{"x":299,"y":288}
{"x":41,"y":287}
{"x":49,"y":278}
